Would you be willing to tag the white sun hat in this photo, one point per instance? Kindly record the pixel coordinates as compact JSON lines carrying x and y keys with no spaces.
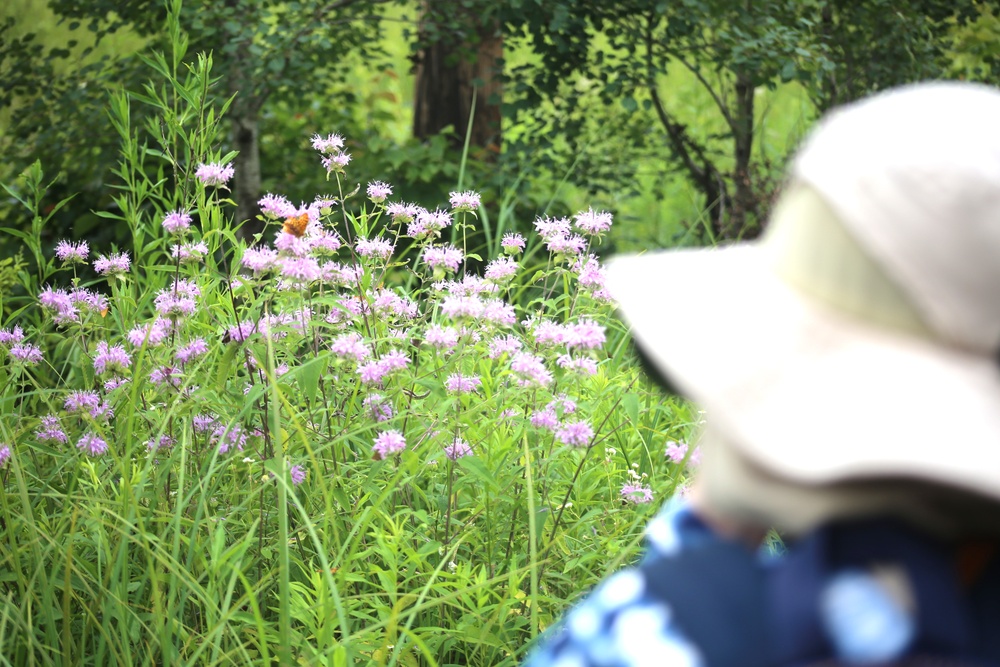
{"x":859,"y":338}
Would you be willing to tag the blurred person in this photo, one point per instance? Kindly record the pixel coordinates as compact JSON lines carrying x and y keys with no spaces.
{"x":849,"y":367}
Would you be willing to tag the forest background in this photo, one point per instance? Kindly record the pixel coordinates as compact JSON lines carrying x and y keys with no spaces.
{"x":677,"y":116}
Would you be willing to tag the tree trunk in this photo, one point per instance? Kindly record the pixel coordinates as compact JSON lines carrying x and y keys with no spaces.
{"x":449,"y":76}
{"x":742,"y":222}
{"x":246,"y":182}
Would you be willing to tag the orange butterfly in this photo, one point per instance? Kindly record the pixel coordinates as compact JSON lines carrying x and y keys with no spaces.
{"x":296,"y":225}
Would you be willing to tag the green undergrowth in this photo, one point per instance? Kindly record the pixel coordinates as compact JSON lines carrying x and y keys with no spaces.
{"x":335,"y":444}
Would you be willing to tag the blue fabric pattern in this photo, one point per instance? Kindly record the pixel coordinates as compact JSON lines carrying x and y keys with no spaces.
{"x":864,"y":623}
{"x":825,"y":598}
{"x":620,"y":624}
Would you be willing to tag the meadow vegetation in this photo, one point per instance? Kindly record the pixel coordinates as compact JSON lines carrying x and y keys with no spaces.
{"x":401,"y":425}
{"x":328,"y":444}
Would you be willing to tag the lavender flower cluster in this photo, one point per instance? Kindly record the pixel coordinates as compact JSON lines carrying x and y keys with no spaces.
{"x":319,"y":292}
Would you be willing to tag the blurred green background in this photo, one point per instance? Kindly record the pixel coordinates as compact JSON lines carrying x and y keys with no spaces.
{"x":676,"y":116}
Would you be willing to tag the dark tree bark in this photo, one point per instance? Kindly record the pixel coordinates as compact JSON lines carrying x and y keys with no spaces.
{"x":246,"y":184}
{"x":743,"y":220}
{"x":451,"y":74}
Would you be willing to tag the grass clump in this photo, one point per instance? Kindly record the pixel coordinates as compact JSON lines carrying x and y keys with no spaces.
{"x":331,"y":444}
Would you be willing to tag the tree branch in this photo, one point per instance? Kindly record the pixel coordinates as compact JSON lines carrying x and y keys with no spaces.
{"x":691,"y":155}
{"x":719,"y":102}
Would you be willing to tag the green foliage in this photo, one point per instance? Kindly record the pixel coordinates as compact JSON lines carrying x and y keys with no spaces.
{"x":194,"y":538}
{"x":974,"y":46}
{"x":262,"y":51}
{"x":599,"y":64}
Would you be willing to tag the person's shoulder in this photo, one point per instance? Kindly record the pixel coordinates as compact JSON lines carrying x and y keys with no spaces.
{"x":693,"y":600}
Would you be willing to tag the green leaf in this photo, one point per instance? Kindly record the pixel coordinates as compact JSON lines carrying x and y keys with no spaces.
{"x":309,"y":375}
{"x":788,"y":71}
{"x":477,"y":468}
{"x":226,"y":366}
{"x":630,"y":403}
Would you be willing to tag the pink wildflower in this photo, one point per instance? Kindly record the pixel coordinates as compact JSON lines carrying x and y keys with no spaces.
{"x":590,"y":273}
{"x":570,"y":244}
{"x":189,"y":253}
{"x":591,"y":222}
{"x":324,"y":242}
{"x":110,"y":358}
{"x":444,"y":338}
{"x":290,"y":244}
{"x":549,"y":333}
{"x":372,"y":372}
{"x":381,"y":408}
{"x":92,"y":445}
{"x":113,"y":383}
{"x":300,"y":270}
{"x":80,"y":401}
{"x":676,"y":451}
{"x":192,"y":350}
{"x":72,"y":253}
{"x":84,"y":298}
{"x":562,"y":403}
{"x":276,"y":206}
{"x":512,"y":243}
{"x":503,"y":345}
{"x":203,"y":423}
{"x":462,"y":384}
{"x":336,"y":162}
{"x":351,"y":345}
{"x":11,"y":336}
{"x":585,"y":334}
{"x":259,"y":260}
{"x":464,"y":201}
{"x":163,"y":442}
{"x":394,"y":360}
{"x":229,"y":437}
{"x":379,"y":191}
{"x":374,"y":248}
{"x":401,"y":212}
{"x":214,"y":174}
{"x":176,"y":223}
{"x":501,"y":269}
{"x":329,"y":144}
{"x":531,"y":368}
{"x":59,"y":302}
{"x":434,"y":221}
{"x":50,"y":430}
{"x":457,"y":449}
{"x":637,"y":494}
{"x":26,"y":353}
{"x":447,"y":257}
{"x":112,"y":265}
{"x":170,"y":303}
{"x":151,"y":334}
{"x":550,"y":228}
{"x":166,"y":375}
{"x":241,"y":331}
{"x":547,"y":419}
{"x":462,"y":306}
{"x":582,"y":365}
{"x":297,"y":474}
{"x":576,"y":434}
{"x":499,"y":312}
{"x":388,"y":442}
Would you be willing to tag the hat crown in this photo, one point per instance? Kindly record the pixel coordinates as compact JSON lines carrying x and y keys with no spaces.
{"x":914,"y":176}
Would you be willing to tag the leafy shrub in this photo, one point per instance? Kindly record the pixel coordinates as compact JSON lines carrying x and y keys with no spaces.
{"x":330,"y":448}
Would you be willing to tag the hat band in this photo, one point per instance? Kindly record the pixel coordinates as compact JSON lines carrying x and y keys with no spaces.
{"x":810,"y":250}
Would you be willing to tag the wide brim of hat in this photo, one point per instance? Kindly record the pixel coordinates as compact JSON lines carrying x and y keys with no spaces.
{"x":806,"y":391}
